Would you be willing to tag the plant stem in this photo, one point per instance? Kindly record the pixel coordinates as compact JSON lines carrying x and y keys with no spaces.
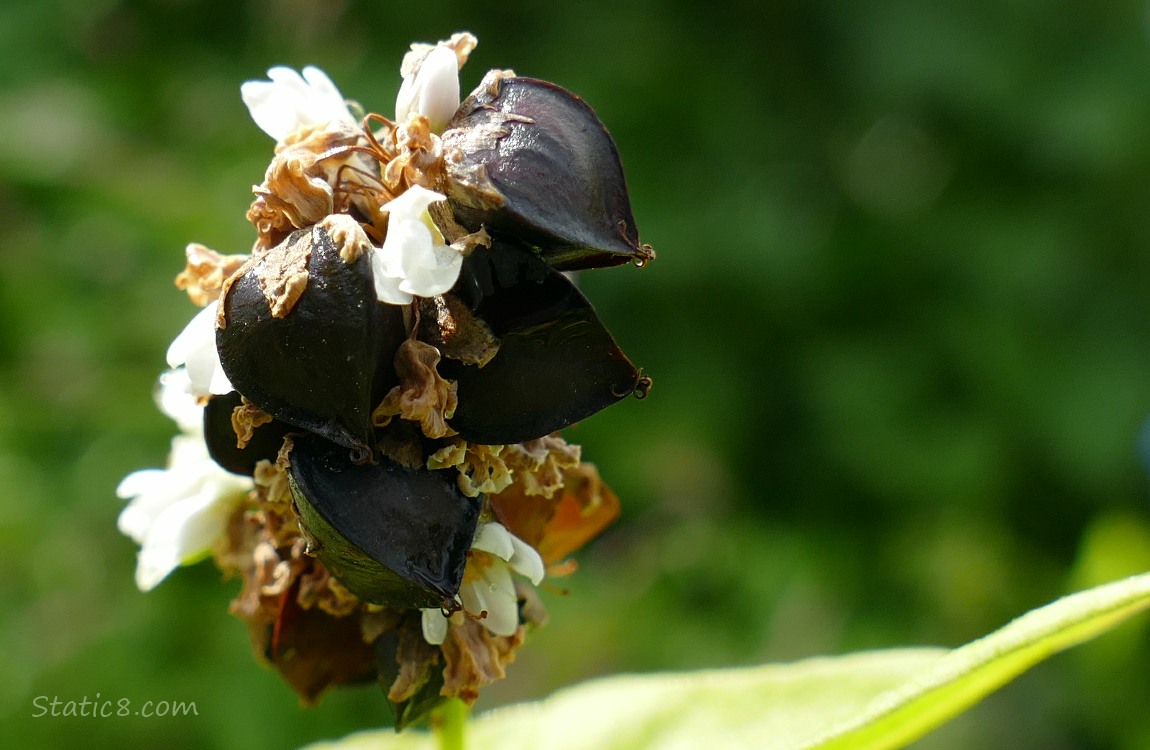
{"x":449,"y":722}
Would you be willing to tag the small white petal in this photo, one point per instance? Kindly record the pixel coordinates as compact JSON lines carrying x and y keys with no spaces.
{"x":431,"y":88}
{"x":151,"y":490}
{"x":526,"y":561}
{"x":290,"y":83}
{"x":386,"y":287}
{"x":411,"y":203}
{"x":186,"y":341}
{"x":493,"y":593}
{"x":139,"y":482}
{"x":219,"y":385}
{"x":183,"y":532}
{"x":272,"y":104}
{"x":175,"y":398}
{"x":289,"y":101}
{"x":406,"y":243}
{"x":495,"y":539}
{"x":324,"y":90}
{"x":434,"y":273}
{"x":195,"y":348}
{"x":434,"y":626}
{"x":161,"y":551}
{"x":413,"y":259}
{"x":152,"y":569}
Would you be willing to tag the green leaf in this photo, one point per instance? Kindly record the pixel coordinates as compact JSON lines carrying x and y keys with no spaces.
{"x":881,"y":699}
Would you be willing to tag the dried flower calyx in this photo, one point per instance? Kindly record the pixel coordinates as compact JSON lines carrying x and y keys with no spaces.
{"x":369,"y":401}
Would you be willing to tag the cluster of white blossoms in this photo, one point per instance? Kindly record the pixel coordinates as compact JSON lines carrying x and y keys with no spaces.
{"x":177,"y":514}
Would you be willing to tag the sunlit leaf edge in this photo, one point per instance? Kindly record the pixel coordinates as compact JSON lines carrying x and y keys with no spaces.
{"x":868,"y":700}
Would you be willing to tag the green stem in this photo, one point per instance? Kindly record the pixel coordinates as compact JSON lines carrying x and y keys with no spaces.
{"x":449,"y":722}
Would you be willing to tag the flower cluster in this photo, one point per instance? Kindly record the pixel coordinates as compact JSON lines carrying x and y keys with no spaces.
{"x":369,"y":402}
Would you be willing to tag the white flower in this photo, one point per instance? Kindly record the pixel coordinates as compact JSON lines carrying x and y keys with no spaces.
{"x":289,"y":101}
{"x":487,"y":584}
{"x":430,"y":85}
{"x":195,"y":349}
{"x":434,"y":626}
{"x":414,"y":259}
{"x":177,"y":398}
{"x":177,"y":514}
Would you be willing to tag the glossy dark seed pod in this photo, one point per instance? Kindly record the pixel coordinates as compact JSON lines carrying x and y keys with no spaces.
{"x":392,"y":535}
{"x":556,"y":363}
{"x":530,"y":160}
{"x":317,"y":364}
{"x":221,"y":437}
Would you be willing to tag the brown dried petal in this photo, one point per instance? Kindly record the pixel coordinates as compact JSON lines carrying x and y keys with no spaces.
{"x":347,"y":235}
{"x":419,"y":157}
{"x":283,"y":275}
{"x":422,"y":395}
{"x":452,"y":454}
{"x":476,"y":658}
{"x":300,"y":184}
{"x":245,"y":419}
{"x":481,"y":470}
{"x":416,"y":658}
{"x":450,"y":325}
{"x":401,"y":442}
{"x":318,"y":138}
{"x":313,"y":651}
{"x":231,"y":549}
{"x":289,"y":191}
{"x":538,"y":465}
{"x":206,"y":271}
{"x":254,"y":603}
{"x":375,"y":621}
{"x":318,"y":588}
{"x":273,"y":478}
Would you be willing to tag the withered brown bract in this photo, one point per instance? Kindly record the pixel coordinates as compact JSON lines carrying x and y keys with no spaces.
{"x":556,"y":363}
{"x":418,"y":656}
{"x":318,"y":365}
{"x":314,"y":651}
{"x":391,"y":535}
{"x":537,"y":164}
{"x":220,"y":437}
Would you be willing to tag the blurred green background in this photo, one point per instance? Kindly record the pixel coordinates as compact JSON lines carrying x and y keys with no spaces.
{"x":897,"y":326}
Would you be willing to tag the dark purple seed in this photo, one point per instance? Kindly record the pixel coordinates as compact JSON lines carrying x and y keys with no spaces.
{"x":531,"y":161}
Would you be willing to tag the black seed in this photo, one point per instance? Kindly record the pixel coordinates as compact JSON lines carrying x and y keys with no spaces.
{"x":556,"y":363}
{"x":392,"y":535}
{"x":537,"y":165}
{"x":325,"y":364}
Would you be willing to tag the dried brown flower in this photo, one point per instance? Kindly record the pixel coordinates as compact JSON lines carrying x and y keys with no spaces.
{"x":422,"y":395}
